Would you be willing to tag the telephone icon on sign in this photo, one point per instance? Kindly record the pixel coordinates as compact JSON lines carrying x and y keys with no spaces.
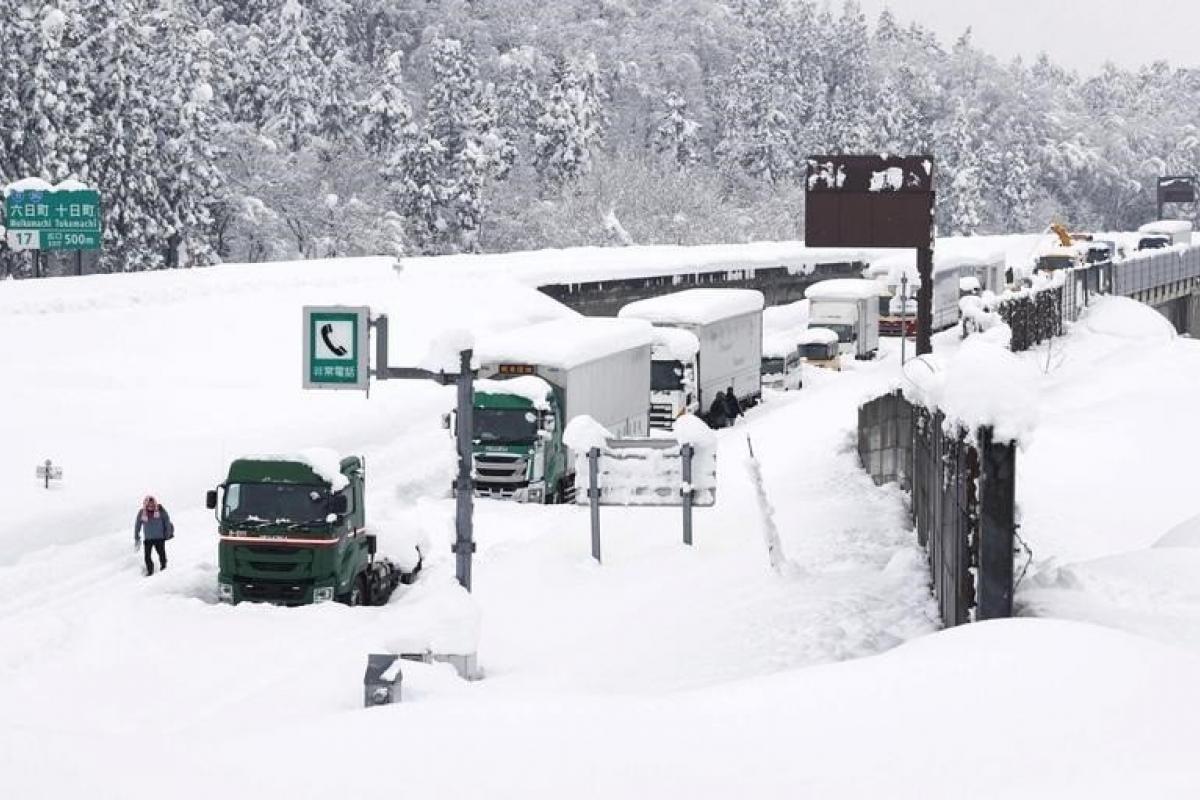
{"x":327,"y":337}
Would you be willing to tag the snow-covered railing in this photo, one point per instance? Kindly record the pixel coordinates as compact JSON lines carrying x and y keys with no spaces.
{"x":1153,"y":270}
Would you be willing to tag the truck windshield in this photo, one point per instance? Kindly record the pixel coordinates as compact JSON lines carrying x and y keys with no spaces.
{"x":505,"y":425}
{"x":275,"y":503}
{"x":772,"y":366}
{"x":666,"y":376}
{"x":1056,"y":262}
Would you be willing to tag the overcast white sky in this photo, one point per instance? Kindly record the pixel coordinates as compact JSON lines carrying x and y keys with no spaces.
{"x":1081,"y":34}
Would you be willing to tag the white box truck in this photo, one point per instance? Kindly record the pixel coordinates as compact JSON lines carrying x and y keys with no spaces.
{"x":534,"y":380}
{"x":1179,"y":231}
{"x":949,"y":271}
{"x":728,"y":329}
{"x":850,"y":308}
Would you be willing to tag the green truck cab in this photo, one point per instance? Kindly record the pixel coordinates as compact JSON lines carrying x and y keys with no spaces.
{"x":517,"y":446}
{"x":293,"y":532}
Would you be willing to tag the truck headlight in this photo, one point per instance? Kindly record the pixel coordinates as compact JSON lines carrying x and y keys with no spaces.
{"x":535,"y":494}
{"x":322,"y":594}
{"x":225,"y":592}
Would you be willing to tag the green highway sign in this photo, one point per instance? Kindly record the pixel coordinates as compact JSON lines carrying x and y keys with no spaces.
{"x":53,"y":240}
{"x":335,"y":347}
{"x":36,"y":219}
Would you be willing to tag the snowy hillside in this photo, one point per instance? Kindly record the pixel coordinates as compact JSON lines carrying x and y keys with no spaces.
{"x":666,"y":671}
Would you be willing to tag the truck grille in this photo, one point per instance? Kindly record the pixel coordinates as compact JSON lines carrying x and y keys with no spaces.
{"x":272,"y":592}
{"x":504,"y":469}
{"x":661,"y":416}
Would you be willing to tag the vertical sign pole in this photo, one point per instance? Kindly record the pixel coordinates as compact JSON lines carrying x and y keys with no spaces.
{"x":464,"y":487}
{"x":594,"y":499}
{"x":903,"y":316}
{"x":925,"y":301}
{"x":688,"y":493}
{"x":78,"y":262}
{"x":37,"y":263}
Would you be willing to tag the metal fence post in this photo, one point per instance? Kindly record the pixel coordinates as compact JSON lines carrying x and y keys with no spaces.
{"x":464,"y":487}
{"x":997,"y":498}
{"x":688,"y":493}
{"x":594,"y":499}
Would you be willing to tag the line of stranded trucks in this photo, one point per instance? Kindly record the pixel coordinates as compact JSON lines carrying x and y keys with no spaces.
{"x":293,"y":528}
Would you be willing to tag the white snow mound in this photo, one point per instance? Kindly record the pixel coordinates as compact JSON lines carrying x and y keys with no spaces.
{"x":1185,"y":534}
{"x":1127,"y":319}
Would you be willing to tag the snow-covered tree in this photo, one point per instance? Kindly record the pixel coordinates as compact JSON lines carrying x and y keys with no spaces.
{"x":386,"y":114}
{"x":570,"y":124}
{"x":677,"y":135}
{"x":295,"y":83}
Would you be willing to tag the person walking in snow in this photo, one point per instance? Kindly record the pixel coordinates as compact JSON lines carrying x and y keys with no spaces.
{"x":733,"y":409}
{"x":716,"y":412}
{"x":151,"y":529}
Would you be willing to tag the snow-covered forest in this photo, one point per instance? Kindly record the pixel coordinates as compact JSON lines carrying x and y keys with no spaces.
{"x":266,"y":129}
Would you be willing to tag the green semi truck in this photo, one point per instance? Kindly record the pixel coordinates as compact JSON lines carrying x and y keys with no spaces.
{"x":293,"y":532}
{"x":534,"y":380}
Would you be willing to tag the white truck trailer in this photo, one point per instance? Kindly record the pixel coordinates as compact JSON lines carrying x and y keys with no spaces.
{"x":949,"y":270}
{"x":557,"y":371}
{"x":728,"y":328}
{"x":850,"y":308}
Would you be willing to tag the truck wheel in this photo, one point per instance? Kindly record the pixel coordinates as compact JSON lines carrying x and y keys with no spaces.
{"x":357,"y":595}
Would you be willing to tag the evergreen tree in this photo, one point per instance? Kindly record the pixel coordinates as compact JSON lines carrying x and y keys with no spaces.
{"x":960,"y":201}
{"x":296,"y":81}
{"x":677,"y":135}
{"x":569,"y":125}
{"x":436,"y":176}
{"x":386,"y":115}
{"x":188,"y":175}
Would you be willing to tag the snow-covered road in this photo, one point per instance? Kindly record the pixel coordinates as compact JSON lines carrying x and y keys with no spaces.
{"x":683,"y":669}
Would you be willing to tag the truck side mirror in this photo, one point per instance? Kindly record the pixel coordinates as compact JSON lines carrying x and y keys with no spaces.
{"x":338,"y":504}
{"x":549,"y":422}
{"x":210,"y":499}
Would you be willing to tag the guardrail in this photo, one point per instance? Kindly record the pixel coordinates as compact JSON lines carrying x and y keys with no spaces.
{"x":1157,"y":277}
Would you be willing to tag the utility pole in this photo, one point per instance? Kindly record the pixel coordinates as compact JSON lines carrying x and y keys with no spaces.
{"x":903,"y":316}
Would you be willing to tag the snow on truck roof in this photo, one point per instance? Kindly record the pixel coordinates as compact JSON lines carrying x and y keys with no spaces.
{"x":818,"y":336}
{"x":779,"y":344}
{"x":530,"y":387}
{"x":695,"y":306}
{"x":843,"y":289}
{"x":1166,"y":226}
{"x":681,"y":345}
{"x":565,"y":343}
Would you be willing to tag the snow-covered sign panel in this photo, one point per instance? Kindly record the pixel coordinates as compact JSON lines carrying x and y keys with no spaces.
{"x":1177,"y":189}
{"x":869,"y":201}
{"x":646,"y":472}
{"x":39,"y":216}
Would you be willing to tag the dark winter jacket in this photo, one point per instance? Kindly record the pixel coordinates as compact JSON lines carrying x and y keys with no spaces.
{"x":154,"y":526}
{"x":716,"y":412}
{"x":732,"y":409}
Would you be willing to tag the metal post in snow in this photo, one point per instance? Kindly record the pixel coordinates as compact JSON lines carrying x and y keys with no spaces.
{"x":594,"y":498}
{"x":925,"y":301}
{"x":464,"y":487}
{"x":687,"y":451}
